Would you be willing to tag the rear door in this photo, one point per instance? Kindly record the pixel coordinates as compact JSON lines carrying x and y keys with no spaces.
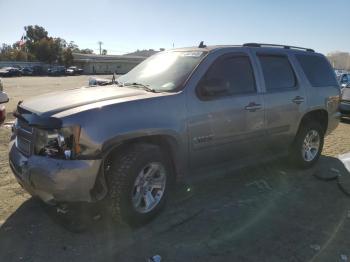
{"x":226,"y":122}
{"x":284,"y":98}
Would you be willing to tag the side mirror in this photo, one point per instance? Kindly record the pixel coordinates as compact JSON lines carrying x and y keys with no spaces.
{"x":212,"y":87}
{"x":94,"y":81}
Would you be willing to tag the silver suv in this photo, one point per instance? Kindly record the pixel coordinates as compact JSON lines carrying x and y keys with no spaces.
{"x":176,"y":112}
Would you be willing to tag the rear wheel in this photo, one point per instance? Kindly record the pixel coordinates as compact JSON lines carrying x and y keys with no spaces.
{"x":308,"y":144}
{"x":139,"y":181}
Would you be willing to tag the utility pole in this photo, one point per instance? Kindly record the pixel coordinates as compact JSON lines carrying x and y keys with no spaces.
{"x":100,"y":44}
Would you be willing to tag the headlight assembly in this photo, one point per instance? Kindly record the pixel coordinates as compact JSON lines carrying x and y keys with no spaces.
{"x":59,"y":143}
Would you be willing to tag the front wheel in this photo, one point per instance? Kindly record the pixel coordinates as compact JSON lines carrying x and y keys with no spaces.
{"x":308,"y":144}
{"x":139,"y":181}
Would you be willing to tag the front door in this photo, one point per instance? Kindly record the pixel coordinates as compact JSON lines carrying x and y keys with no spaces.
{"x":226,"y":116}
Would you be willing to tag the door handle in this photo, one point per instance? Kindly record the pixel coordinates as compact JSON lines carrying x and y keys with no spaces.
{"x":298,"y":100}
{"x":252,"y":107}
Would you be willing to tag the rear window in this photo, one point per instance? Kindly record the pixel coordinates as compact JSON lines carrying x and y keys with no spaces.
{"x":278,"y":73}
{"x":317,"y":70}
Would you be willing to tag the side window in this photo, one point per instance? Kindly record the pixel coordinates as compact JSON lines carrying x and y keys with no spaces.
{"x":317,"y":70}
{"x":278,"y":72}
{"x":228,"y":76}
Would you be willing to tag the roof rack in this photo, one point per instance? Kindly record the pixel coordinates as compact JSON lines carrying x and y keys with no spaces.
{"x":281,"y":46}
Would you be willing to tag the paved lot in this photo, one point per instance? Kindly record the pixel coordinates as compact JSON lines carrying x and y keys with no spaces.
{"x":270,"y":212}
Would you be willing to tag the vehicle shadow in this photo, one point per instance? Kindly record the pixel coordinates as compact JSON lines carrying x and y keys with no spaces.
{"x":269,"y":212}
{"x":345,"y":120}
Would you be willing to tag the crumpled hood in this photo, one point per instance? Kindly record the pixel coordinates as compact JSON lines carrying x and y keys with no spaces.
{"x":53,"y":103}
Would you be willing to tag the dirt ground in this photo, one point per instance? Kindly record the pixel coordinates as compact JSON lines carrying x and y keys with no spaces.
{"x":22,"y":88}
{"x":269,"y":212}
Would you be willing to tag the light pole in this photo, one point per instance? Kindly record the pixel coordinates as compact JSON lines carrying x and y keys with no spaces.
{"x":100,"y":44}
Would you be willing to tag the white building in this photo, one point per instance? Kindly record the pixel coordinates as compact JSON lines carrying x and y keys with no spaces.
{"x":106,"y":64}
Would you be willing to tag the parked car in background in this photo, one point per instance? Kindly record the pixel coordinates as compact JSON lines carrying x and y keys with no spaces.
{"x":27,"y":71}
{"x":339,"y":72}
{"x":3,"y":99}
{"x":345,"y":95}
{"x":10,"y":71}
{"x":38,"y":70}
{"x":56,"y":71}
{"x":177,"y":112}
{"x":73,"y":70}
{"x":344,"y":79}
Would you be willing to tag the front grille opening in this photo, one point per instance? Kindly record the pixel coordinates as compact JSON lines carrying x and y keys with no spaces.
{"x":24,"y":137}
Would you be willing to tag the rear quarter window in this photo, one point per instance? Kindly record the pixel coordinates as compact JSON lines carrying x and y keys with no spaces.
{"x":317,"y":70}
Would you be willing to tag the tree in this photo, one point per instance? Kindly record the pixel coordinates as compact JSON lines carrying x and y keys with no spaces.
{"x":339,"y":60}
{"x":43,"y":50}
{"x":86,"y":51}
{"x":68,"y":57}
{"x":35,"y":33}
{"x":19,"y":55}
{"x":5,"y":52}
{"x":104,"y":52}
{"x":48,"y":49}
{"x":38,"y":45}
{"x":73,"y":47}
{"x":12,"y":53}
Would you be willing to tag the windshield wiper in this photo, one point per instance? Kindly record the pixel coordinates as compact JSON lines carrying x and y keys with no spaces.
{"x":143,"y":86}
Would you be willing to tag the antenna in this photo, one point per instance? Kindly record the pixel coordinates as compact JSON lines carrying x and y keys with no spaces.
{"x":100,"y":43}
{"x":113,"y":78}
{"x":202,"y":45}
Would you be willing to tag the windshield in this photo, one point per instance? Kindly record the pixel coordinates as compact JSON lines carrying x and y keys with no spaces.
{"x":165,"y":71}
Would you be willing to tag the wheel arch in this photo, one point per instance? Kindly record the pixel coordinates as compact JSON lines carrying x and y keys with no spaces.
{"x":169,"y":144}
{"x":320,"y":115}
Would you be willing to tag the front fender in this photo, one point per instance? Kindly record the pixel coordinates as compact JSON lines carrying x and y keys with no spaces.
{"x":107,"y":127}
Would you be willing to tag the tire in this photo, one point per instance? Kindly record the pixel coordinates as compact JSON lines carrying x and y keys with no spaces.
{"x":298,"y":156}
{"x":125,"y":170}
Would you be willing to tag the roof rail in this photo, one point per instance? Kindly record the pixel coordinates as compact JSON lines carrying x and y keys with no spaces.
{"x":281,"y":46}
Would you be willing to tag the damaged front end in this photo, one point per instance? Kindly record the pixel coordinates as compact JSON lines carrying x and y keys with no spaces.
{"x":46,"y":136}
{"x":45,"y":158}
{"x":3,"y":99}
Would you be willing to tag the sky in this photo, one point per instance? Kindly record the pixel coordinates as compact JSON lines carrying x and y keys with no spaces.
{"x":124,"y":26}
